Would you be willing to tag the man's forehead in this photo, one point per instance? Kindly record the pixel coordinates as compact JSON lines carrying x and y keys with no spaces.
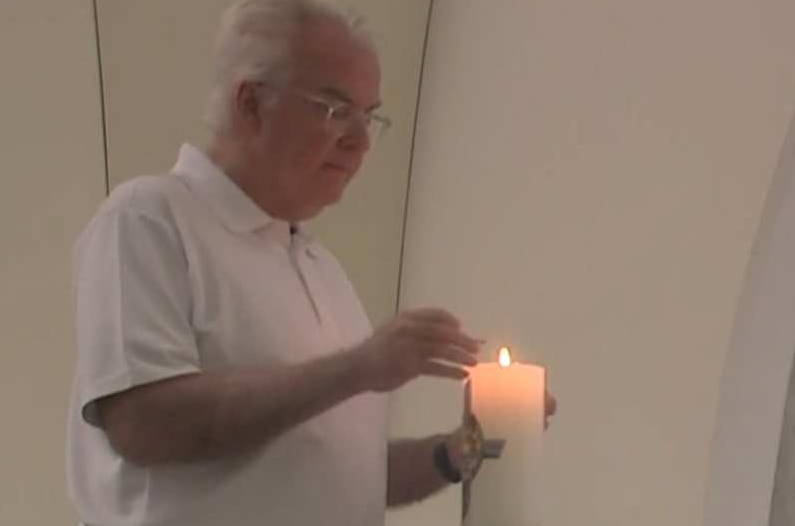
{"x":333,"y":61}
{"x":340,"y":95}
{"x":344,"y":75}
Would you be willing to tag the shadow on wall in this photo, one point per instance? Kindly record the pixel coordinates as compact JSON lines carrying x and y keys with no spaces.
{"x":749,"y":436}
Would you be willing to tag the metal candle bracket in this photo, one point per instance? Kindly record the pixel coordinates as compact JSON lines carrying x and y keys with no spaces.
{"x":477,"y":448}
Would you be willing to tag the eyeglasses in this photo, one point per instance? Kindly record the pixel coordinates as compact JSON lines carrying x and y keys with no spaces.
{"x":341,"y":116}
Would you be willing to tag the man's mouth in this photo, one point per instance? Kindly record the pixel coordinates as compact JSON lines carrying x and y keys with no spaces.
{"x":336,"y":168}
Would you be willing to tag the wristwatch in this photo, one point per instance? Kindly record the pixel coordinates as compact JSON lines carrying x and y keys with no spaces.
{"x":441,"y":459}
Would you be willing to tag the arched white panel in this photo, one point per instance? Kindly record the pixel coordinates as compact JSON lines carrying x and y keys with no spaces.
{"x":587,"y":182}
{"x":757,"y":369}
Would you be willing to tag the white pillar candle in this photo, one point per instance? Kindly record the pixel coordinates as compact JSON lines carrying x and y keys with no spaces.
{"x":508,"y":400}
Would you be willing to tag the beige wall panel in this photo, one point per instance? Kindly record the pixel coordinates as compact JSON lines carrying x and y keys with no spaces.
{"x":51,"y":162}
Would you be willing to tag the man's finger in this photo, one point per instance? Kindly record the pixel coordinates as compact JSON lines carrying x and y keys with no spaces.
{"x":445,"y":335}
{"x":454,"y":355}
{"x":432,"y":315}
{"x":443,"y":371}
{"x":550,"y":404}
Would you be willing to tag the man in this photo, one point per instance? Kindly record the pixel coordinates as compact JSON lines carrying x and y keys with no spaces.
{"x":227,"y":374}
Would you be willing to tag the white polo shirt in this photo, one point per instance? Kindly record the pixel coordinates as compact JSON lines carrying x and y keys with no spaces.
{"x":183,"y":273}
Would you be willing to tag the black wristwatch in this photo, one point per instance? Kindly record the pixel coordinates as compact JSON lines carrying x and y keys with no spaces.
{"x":441,"y":459}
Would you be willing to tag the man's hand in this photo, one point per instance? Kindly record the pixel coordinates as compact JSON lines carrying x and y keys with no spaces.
{"x":550,"y":407}
{"x":416,"y":342}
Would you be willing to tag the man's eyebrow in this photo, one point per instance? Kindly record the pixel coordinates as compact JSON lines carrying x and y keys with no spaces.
{"x":343,"y":97}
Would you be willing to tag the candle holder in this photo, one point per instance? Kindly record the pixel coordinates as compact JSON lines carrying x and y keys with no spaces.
{"x":476,"y":449}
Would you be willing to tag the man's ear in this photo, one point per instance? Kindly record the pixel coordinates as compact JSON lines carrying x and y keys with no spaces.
{"x":248,"y":102}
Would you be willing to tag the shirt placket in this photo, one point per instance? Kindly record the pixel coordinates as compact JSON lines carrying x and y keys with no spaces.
{"x":305,"y":262}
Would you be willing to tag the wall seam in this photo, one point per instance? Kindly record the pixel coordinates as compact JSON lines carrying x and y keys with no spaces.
{"x":411,"y":158}
{"x":102,"y":102}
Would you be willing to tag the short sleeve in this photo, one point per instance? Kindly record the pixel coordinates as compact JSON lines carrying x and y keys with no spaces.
{"x":133,"y":304}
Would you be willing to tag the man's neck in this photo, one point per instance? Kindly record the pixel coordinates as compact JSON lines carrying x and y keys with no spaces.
{"x":232,"y":163}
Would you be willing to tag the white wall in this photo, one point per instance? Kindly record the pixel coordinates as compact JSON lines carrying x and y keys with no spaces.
{"x":52,"y":178}
{"x":587,"y":185}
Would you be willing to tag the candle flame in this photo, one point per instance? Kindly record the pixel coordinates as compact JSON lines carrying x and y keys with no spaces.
{"x":504,"y":357}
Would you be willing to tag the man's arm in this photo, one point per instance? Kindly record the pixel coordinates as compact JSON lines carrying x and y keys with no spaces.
{"x":412,"y":474}
{"x":212,"y":415}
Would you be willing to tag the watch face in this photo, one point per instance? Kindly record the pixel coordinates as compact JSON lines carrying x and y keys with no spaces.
{"x":472,"y":458}
{"x":472,"y":448}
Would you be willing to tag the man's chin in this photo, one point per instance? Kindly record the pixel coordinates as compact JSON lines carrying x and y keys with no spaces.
{"x":334,"y":194}
{"x":328,"y":195}
{"x":313,"y":210}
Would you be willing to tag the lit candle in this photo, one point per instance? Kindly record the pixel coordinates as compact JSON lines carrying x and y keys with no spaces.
{"x":507,"y":398}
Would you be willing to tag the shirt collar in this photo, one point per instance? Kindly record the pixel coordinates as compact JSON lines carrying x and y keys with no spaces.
{"x":233,"y":207}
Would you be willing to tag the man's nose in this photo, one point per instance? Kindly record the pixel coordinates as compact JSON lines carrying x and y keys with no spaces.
{"x":357,"y":136}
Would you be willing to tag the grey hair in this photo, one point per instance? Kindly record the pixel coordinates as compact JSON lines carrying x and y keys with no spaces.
{"x":254,"y":42}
